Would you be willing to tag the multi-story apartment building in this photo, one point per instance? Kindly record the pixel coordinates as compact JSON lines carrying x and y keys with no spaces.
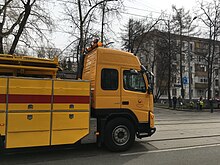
{"x":194,"y":66}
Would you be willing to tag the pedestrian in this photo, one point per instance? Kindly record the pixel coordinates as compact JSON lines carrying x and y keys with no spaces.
{"x":201,"y":103}
{"x":211,"y":102}
{"x":180,"y":100}
{"x":174,"y":102}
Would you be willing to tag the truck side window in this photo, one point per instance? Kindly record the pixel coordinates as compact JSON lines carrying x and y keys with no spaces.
{"x":109,"y":79}
{"x":133,"y":81}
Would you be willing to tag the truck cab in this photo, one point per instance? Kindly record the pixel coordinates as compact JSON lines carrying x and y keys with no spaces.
{"x":122,"y":99}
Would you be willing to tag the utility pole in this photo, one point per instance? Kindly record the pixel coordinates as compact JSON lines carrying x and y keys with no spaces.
{"x":189,"y":69}
{"x":181,"y":58}
{"x":169,"y":68}
{"x":189,"y":60}
{"x":104,"y":3}
{"x":103,"y":20}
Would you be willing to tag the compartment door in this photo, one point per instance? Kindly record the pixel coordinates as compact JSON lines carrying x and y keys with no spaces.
{"x":70,"y":116}
{"x":3,"y":92}
{"x":69,"y":127}
{"x":29,"y":112}
{"x":28,"y":129}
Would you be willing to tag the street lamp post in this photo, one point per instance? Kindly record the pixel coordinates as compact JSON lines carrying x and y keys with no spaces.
{"x":189,"y":60}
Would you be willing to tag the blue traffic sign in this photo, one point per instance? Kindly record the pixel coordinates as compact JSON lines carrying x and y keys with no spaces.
{"x":185,"y":81}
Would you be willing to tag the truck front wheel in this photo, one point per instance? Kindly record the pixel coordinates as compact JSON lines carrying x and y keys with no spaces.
{"x":2,"y":142}
{"x":119,"y":134}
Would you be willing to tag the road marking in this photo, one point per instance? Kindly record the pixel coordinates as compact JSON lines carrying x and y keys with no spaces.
{"x":169,"y":150}
{"x":183,"y":138}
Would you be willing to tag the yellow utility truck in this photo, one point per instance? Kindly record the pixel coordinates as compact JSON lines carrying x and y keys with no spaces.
{"x":38,"y":109}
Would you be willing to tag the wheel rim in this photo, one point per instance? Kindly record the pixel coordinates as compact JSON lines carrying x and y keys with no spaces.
{"x":120,"y":135}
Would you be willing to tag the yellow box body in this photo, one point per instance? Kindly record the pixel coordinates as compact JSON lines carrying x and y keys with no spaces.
{"x":43,"y":112}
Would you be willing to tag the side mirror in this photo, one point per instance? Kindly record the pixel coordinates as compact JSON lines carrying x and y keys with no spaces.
{"x":143,"y":69}
{"x":150,"y":89}
{"x":150,"y":77}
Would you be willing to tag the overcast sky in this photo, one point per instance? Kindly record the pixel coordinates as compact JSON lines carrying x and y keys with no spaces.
{"x":135,"y":9}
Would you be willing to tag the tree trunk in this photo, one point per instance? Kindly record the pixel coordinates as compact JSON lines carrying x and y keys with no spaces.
{"x":80,"y":65}
{"x":1,"y":46}
{"x":209,"y":63}
{"x":1,"y":40}
{"x":21,"y":28}
{"x":169,"y":66}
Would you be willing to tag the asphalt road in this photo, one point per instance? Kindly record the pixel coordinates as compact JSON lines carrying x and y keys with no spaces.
{"x":182,"y":138}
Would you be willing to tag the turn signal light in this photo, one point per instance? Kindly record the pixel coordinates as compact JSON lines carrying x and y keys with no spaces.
{"x":152,"y":116}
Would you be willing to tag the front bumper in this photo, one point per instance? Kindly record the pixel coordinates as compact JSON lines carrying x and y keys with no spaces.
{"x":144,"y":130}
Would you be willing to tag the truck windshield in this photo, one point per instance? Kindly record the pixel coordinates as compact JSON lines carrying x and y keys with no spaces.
{"x":134,"y":81}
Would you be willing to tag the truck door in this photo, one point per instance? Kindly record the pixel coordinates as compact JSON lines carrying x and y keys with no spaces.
{"x":108,"y":90}
{"x":134,"y":93}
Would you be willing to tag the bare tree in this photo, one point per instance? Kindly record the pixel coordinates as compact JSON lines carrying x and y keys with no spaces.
{"x":83,"y":21}
{"x":4,"y":15}
{"x":181,"y":20}
{"x":136,"y":32}
{"x":109,"y":11}
{"x":133,"y":31}
{"x":47,"y":52}
{"x":211,"y":18}
{"x":165,"y":55}
{"x":25,"y":22}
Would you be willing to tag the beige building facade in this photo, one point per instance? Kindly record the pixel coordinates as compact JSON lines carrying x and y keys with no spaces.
{"x":194,"y":66}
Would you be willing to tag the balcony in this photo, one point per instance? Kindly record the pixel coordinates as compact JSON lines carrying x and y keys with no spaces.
{"x":201,"y":85}
{"x":201,"y":74}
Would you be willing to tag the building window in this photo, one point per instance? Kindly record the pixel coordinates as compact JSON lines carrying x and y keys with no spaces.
{"x":198,"y":45}
{"x":183,"y":44}
{"x":216,"y":72}
{"x":174,"y":93}
{"x":203,"y":68}
{"x":216,"y":49}
{"x":109,"y":79}
{"x":164,"y":92}
{"x":133,"y":81}
{"x":200,"y":92}
{"x":203,"y":80}
{"x":192,"y":92}
{"x":199,"y":59}
{"x":217,"y":93}
{"x":216,"y":83}
{"x":174,"y":79}
{"x":191,"y":46}
{"x":183,"y":68}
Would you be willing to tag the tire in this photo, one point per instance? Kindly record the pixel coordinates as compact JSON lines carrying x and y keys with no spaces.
{"x":119,"y":134}
{"x":1,"y":142}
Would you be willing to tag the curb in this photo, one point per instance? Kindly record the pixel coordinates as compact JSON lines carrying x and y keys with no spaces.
{"x":188,"y":110}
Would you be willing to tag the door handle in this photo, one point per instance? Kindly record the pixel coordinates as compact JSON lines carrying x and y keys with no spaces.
{"x":125,"y":102}
{"x":29,"y":117}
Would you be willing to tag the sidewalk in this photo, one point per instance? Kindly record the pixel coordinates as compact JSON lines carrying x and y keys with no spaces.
{"x":166,"y":106}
